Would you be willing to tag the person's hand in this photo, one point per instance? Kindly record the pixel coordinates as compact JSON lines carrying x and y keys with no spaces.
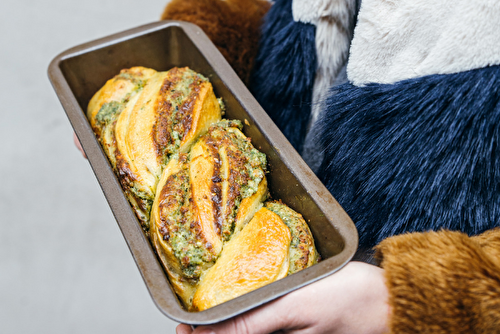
{"x":353,"y":300}
{"x":78,"y":145}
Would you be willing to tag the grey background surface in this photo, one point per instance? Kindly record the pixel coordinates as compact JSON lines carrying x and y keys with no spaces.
{"x":64,"y":265}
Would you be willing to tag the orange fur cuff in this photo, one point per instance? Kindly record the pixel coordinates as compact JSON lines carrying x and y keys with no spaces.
{"x":443,"y":282}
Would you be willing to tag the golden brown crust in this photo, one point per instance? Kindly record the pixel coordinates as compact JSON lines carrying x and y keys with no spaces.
{"x":443,"y":282}
{"x":164,"y":120}
{"x":118,"y":95}
{"x":184,"y":97}
{"x":303,"y":253}
{"x":184,"y":288}
{"x":201,"y":197}
{"x":170,"y":198}
{"x":257,"y":256}
{"x":203,"y":169}
{"x":232,"y":150}
{"x":117,"y":89}
{"x":146,"y":116}
{"x":198,"y":199}
{"x":233,"y":26}
{"x":250,"y":205}
{"x":206,"y":112}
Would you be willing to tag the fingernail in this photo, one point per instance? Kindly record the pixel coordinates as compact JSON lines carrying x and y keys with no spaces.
{"x":207,"y":331}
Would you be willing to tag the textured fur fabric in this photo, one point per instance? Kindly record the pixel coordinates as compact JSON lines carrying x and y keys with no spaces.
{"x":397,"y":40}
{"x":232,"y":25}
{"x":311,"y":152}
{"x":333,"y":37}
{"x":334,"y":21}
{"x":284,"y":71}
{"x":417,"y":155}
{"x":443,"y":282}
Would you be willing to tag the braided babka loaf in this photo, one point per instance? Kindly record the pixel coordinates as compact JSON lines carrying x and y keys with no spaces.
{"x":141,"y":117}
{"x":197,"y":185}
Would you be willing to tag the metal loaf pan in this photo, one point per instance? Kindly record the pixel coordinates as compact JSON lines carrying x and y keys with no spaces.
{"x":79,"y":72}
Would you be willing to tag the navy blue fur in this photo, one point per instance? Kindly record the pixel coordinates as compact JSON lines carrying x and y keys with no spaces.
{"x":284,"y":71}
{"x":421,"y":154}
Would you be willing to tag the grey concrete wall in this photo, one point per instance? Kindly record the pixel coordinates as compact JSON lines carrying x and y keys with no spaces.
{"x":64,"y":265}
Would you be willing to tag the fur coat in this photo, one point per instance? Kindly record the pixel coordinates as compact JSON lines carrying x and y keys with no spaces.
{"x":443,"y":282}
{"x":403,"y":98}
{"x":412,"y":140}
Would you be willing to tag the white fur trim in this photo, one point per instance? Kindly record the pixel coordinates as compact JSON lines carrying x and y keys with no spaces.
{"x":332,"y":50}
{"x":397,"y":40}
{"x":310,"y":11}
{"x":334,"y":20}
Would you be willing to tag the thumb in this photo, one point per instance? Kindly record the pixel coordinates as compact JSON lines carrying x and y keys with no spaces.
{"x":263,"y":320}
{"x":78,"y":145}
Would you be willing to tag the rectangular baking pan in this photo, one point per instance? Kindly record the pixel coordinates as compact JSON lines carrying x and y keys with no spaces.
{"x":79,"y":72}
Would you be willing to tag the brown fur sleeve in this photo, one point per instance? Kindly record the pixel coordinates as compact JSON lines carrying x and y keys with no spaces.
{"x":443,"y":282}
{"x":232,"y":25}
